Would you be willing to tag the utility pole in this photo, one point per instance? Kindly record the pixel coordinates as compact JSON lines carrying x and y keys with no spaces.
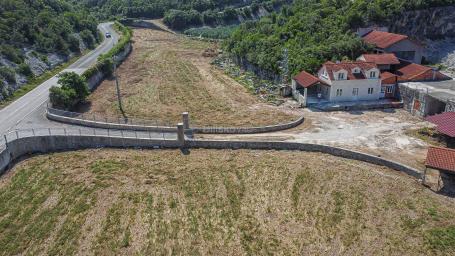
{"x":118,"y":87}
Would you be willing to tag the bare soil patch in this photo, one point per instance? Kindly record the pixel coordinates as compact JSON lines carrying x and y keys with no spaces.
{"x":144,"y":202}
{"x":378,"y":132}
{"x":166,"y":75}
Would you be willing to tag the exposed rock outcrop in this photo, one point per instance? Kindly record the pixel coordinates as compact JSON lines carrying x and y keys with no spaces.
{"x":434,"y":23}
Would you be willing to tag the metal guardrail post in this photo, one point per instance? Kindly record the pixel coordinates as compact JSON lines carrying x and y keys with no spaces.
{"x":17,"y":134}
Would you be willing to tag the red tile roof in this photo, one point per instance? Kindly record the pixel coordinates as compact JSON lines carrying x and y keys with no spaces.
{"x":382,"y":59}
{"x":445,"y":123}
{"x":441,"y":159}
{"x":349,"y":66}
{"x":306,"y":79}
{"x":383,"y":39}
{"x":408,"y":71}
{"x":388,"y":78}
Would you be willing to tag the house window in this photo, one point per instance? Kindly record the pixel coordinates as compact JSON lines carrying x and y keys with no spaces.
{"x":372,"y":74}
{"x":382,"y":89}
{"x":355,"y":92}
{"x":389,"y":89}
{"x":339,"y":92}
{"x":370,"y":90}
{"x":340,"y":76}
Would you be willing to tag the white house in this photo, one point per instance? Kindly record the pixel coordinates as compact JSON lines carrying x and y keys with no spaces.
{"x":340,"y":82}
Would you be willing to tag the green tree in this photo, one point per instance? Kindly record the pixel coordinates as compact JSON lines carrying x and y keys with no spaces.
{"x":73,"y":90}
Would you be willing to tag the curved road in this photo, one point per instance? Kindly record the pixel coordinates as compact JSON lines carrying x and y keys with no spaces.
{"x":28,"y":111}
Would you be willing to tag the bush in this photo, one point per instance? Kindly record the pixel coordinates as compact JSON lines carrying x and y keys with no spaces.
{"x":179,"y":20}
{"x":8,"y":74}
{"x":73,"y":43}
{"x":73,"y":90}
{"x":25,"y":70}
{"x":61,"y":98}
{"x":88,"y":38}
{"x":12,"y":54}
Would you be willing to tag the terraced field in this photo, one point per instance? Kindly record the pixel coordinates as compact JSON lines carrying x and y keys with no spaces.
{"x":144,"y":202}
{"x":166,"y":75}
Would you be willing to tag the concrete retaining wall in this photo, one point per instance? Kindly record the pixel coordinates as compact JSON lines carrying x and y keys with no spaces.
{"x":99,"y":76}
{"x":104,"y":125}
{"x":59,"y":117}
{"x":248,"y":130}
{"x":45,"y":144}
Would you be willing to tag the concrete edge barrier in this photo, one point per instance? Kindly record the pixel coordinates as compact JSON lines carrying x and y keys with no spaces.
{"x":54,"y":143}
{"x":248,"y":130}
{"x":54,"y":115}
{"x":104,"y":125}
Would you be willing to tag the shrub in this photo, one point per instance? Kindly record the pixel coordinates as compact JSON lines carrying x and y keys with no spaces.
{"x":61,"y":98}
{"x":73,"y":43}
{"x":11,"y":53}
{"x":73,"y":90}
{"x":179,"y":20}
{"x":8,"y":74}
{"x":25,"y":70}
{"x":88,"y":38}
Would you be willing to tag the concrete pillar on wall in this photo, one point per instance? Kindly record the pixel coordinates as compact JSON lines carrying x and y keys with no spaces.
{"x":186,"y":120}
{"x":181,"y":134}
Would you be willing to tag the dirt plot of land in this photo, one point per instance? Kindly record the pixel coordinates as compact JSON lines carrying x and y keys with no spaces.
{"x":378,"y":132}
{"x":131,"y":202}
{"x":166,"y":75}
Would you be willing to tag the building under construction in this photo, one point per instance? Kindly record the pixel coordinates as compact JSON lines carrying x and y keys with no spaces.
{"x":428,"y":98}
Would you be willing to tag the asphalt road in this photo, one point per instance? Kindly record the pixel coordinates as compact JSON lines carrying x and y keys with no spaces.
{"x":28,"y":111}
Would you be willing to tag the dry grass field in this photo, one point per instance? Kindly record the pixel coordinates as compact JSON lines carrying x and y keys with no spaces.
{"x":133,"y":202}
{"x":166,"y":75}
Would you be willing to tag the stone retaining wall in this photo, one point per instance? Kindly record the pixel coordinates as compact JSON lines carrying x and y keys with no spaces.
{"x":45,"y":144}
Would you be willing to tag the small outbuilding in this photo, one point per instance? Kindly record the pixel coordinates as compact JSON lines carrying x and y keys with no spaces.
{"x":443,"y":161}
{"x":445,"y":124}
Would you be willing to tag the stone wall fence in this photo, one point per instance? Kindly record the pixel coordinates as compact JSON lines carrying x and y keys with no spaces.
{"x":23,"y":146}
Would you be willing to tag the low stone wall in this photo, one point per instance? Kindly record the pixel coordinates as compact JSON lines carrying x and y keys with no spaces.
{"x":248,"y":130}
{"x":45,"y":144}
{"x":114,"y":126}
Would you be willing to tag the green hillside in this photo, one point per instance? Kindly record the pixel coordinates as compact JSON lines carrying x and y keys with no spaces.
{"x":30,"y":30}
{"x":314,"y":31}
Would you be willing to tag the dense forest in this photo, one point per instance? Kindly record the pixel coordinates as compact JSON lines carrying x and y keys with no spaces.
{"x":32,"y":29}
{"x":314,"y":31}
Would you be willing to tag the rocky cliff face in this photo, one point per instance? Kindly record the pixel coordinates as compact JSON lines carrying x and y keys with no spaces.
{"x":434,"y":23}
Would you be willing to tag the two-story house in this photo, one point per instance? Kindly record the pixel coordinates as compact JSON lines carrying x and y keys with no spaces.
{"x":340,"y":82}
